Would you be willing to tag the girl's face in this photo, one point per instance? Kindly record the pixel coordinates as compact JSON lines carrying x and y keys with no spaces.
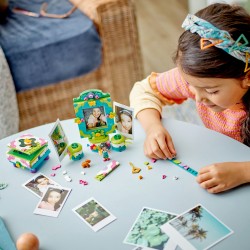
{"x":126,"y":121}
{"x":54,"y":197}
{"x":218,"y":94}
{"x":43,"y":181}
{"x":96,"y":112}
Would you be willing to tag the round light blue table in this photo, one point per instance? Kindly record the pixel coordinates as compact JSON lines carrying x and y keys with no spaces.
{"x":122,"y":193}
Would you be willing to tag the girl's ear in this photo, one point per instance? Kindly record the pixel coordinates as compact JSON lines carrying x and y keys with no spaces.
{"x":246,"y":80}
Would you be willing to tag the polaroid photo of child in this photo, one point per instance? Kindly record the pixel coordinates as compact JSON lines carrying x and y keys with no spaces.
{"x":59,"y":140}
{"x":124,"y":119}
{"x":146,"y":232}
{"x":94,"y":214}
{"x":38,"y":184}
{"x":52,"y":201}
{"x":95,"y":117}
{"x":196,"y":228}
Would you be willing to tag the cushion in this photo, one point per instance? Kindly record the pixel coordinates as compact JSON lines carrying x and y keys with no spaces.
{"x":42,"y":50}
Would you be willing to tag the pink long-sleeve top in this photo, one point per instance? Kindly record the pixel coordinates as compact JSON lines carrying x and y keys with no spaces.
{"x":169,"y":87}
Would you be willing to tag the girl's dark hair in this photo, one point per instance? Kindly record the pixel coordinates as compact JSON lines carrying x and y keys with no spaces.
{"x":40,"y":177}
{"x":214,"y":62}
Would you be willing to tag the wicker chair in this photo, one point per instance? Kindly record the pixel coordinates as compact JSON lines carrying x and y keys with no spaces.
{"x":121,"y":67}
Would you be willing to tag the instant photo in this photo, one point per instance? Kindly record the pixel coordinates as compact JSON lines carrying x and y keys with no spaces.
{"x":38,"y":184}
{"x":196,"y":229}
{"x":94,"y":214}
{"x":124,"y":119}
{"x":59,"y":140}
{"x":52,"y":201}
{"x":146,"y":231}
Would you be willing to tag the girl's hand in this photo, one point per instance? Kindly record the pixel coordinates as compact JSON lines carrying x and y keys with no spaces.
{"x":220,"y":177}
{"x":158,"y":143}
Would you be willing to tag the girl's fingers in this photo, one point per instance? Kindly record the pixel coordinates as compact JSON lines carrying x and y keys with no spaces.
{"x":153,"y":150}
{"x":203,"y":177}
{"x":171,"y":147}
{"x":165,"y":147}
{"x":208,"y":184}
{"x":215,"y":189}
{"x":204,"y":170}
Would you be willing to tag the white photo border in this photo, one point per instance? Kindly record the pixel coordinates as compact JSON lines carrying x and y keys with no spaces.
{"x":46,"y":212}
{"x":33,"y":179}
{"x":104,"y":222}
{"x":122,"y":106}
{"x":182,"y":241}
{"x":65,"y":139}
{"x":171,"y":245}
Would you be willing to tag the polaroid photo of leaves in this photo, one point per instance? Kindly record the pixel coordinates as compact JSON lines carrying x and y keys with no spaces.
{"x":146,"y":231}
{"x":59,"y":140}
{"x":169,"y":246}
{"x":197,"y":229}
{"x":52,"y":201}
{"x":142,"y":248}
{"x":38,"y":184}
{"x":94,"y":214}
{"x":124,"y":119}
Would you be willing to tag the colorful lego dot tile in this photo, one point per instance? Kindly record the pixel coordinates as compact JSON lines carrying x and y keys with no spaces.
{"x":184,"y":166}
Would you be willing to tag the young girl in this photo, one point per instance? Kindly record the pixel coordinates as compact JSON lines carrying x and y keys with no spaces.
{"x":125,"y":121}
{"x":213,"y":68}
{"x":96,"y":119}
{"x":52,"y":200}
{"x":42,"y":183}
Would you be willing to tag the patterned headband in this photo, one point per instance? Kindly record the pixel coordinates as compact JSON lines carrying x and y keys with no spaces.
{"x":218,"y":38}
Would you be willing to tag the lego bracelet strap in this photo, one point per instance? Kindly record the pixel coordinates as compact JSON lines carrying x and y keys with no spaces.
{"x":184,"y":166}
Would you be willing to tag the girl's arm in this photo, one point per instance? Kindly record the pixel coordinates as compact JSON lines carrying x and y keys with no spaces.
{"x":158,"y":142}
{"x":220,"y":177}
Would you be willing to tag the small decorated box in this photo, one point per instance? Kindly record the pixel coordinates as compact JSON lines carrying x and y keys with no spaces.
{"x":28,"y":152}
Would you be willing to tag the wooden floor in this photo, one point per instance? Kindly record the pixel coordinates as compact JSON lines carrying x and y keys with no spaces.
{"x":159,"y":25}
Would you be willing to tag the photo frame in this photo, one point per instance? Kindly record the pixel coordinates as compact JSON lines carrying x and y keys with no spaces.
{"x":59,"y":140}
{"x":124,"y":120}
{"x":94,"y":115}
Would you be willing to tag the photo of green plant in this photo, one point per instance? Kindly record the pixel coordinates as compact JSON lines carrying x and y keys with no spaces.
{"x":146,"y":230}
{"x":200,"y":228}
{"x":92,"y":212}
